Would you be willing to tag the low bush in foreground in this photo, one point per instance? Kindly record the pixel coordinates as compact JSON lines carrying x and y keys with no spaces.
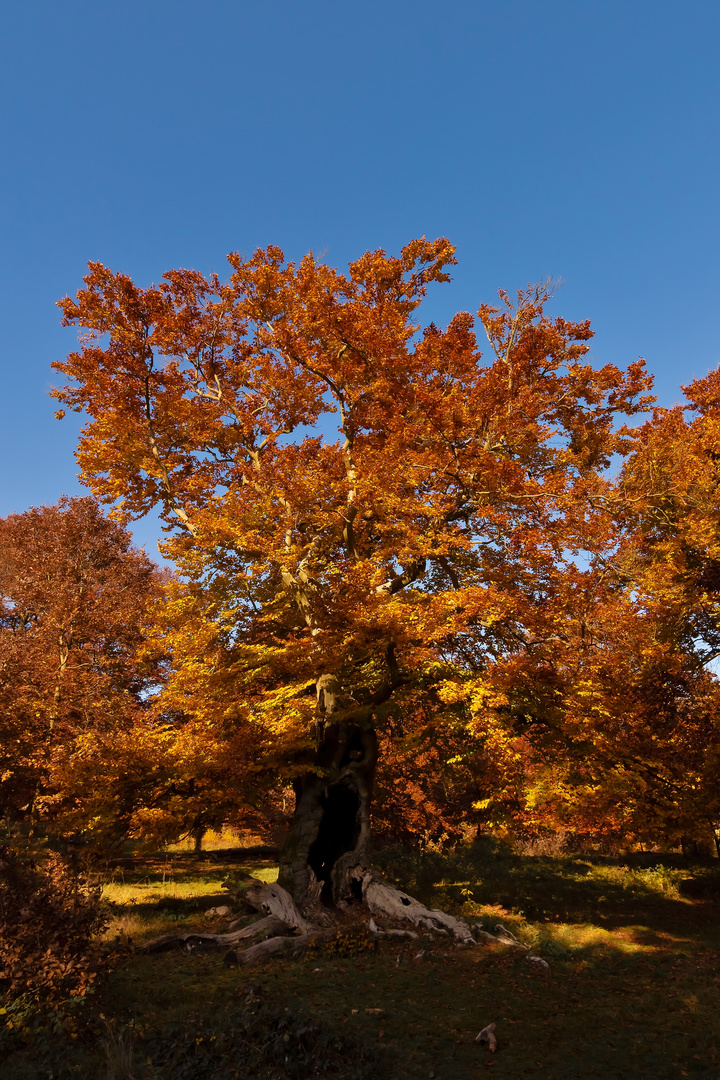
{"x":49,"y":923}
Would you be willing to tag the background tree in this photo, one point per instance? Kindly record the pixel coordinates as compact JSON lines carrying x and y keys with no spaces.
{"x":629,"y":751}
{"x":671,"y":562}
{"x":76,"y":673}
{"x":384,"y":573}
{"x":627,"y":747}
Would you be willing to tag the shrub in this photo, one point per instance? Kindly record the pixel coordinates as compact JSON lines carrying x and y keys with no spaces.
{"x":48,"y":920}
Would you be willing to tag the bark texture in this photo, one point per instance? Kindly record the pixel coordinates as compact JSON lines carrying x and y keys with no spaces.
{"x":330,"y":830}
{"x":278,"y":903}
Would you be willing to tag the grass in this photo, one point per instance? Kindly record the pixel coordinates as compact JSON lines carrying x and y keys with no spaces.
{"x":631,"y":990}
{"x":150,"y":896}
{"x":223,"y":839}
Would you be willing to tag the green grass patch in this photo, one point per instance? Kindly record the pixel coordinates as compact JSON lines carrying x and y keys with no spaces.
{"x":149,"y":896}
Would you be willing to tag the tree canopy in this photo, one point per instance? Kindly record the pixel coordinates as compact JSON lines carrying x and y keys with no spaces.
{"x":377,"y":528}
{"x":77,"y":665}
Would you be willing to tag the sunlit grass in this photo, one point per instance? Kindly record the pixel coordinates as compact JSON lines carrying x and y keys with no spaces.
{"x":155,"y":892}
{"x":140,"y":927}
{"x":564,"y":889}
{"x":159,"y":903}
{"x":217,"y":840}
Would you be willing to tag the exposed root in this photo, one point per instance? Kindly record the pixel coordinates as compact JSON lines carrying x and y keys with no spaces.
{"x":291,"y":947}
{"x":375,"y":929}
{"x":276,"y":930}
{"x":266,"y":950}
{"x":268,"y":927}
{"x":500,"y":937}
{"x":277,"y":901}
{"x":383,"y":899}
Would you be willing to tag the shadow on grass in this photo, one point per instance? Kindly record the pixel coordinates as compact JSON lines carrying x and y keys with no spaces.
{"x":184,"y":867}
{"x":392,"y":1015}
{"x":180,"y":907}
{"x":664,"y":896}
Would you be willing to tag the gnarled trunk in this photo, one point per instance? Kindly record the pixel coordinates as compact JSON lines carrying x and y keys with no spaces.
{"x":330,"y":830}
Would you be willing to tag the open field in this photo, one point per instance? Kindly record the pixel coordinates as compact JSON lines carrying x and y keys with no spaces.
{"x":632,"y":987}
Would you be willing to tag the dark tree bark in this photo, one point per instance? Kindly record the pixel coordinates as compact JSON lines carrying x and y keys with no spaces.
{"x":330,"y":830}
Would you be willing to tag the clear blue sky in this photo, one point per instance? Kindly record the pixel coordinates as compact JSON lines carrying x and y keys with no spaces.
{"x":568,"y":138}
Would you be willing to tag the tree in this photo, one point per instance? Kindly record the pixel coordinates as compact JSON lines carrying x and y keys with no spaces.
{"x":386,"y":574}
{"x":630,"y":749}
{"x":670,"y":561}
{"x":76,"y":672}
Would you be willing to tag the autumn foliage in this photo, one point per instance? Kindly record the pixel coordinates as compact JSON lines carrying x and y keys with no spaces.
{"x":446,"y":533}
{"x":76,"y":668}
{"x":48,"y":921}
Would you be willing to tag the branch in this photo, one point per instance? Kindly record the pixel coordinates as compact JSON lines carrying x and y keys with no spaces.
{"x":164,"y":472}
{"x":413,"y":571}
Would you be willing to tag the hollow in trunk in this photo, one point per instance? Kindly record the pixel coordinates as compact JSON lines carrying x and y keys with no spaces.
{"x":330,"y":830}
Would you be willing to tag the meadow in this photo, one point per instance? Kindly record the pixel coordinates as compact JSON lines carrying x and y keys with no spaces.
{"x":630,"y":989}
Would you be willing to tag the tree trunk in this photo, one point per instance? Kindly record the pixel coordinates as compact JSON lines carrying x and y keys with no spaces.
{"x":330,"y":830}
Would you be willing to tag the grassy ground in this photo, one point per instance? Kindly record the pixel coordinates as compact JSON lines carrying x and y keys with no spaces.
{"x":632,"y":987}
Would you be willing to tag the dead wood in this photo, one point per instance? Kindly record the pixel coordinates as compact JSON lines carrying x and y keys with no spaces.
{"x":284,"y":916}
{"x":291,"y":947}
{"x":267,"y":927}
{"x":488,"y":1035}
{"x":500,"y":937}
{"x":383,"y":899}
{"x":277,"y":901}
{"x":375,"y":929}
{"x":266,"y":950}
{"x":506,"y":936}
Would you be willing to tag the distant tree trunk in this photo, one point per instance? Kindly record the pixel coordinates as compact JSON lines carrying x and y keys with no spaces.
{"x":330,"y":829}
{"x":198,"y":835}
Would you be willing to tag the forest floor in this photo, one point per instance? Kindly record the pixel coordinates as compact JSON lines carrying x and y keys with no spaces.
{"x":631,"y":989}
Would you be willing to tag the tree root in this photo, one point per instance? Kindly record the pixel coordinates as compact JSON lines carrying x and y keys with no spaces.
{"x":383,"y":899}
{"x":277,"y":901}
{"x":500,"y":937}
{"x":270,"y":926}
{"x":375,"y":929}
{"x":277,"y":928}
{"x":290,"y":947}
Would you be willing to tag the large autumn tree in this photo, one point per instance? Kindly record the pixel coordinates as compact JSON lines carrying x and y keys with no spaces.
{"x":77,"y":673}
{"x":371,"y":580}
